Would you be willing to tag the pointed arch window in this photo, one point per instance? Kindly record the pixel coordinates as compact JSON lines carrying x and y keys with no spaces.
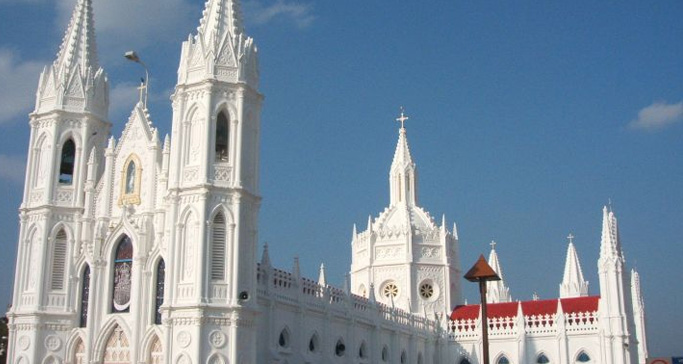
{"x":313,"y":343}
{"x":66,"y":164}
{"x":123,"y":271}
{"x":222,"y":137}
{"x":404,"y":357}
{"x":340,"y":348}
{"x":130,"y":178}
{"x":583,"y":357}
{"x":218,"y":246}
{"x":85,"y":295}
{"x":465,"y":361}
{"x":58,"y":261}
{"x":503,"y":360}
{"x":385,"y":354}
{"x":363,"y":351}
{"x":542,"y":359}
{"x":159,"y":296}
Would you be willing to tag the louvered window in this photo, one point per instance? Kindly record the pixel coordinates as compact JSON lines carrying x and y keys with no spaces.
{"x":58,"y":261}
{"x":218,"y":243}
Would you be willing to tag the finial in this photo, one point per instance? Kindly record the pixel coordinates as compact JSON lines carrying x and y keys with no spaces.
{"x":609,"y":204}
{"x":571,"y":238}
{"x":493,"y":245}
{"x":402,"y":118}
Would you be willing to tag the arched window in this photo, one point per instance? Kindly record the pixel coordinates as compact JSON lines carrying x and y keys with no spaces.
{"x":85,"y":295}
{"x":313,"y":343}
{"x":363,"y":351}
{"x":79,"y":352}
{"x":465,"y":361}
{"x":542,"y":359}
{"x":283,"y":340}
{"x":404,"y":357}
{"x":503,"y":360}
{"x":385,"y":354}
{"x":159,"y":297}
{"x":583,"y":357}
{"x":123,"y":271}
{"x":218,"y":244}
{"x":340,"y":348}
{"x":58,"y":261}
{"x":66,"y":166}
{"x":130,"y":178}
{"x":222,"y":135}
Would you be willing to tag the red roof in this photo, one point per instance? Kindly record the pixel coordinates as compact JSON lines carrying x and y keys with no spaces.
{"x":541,"y":307}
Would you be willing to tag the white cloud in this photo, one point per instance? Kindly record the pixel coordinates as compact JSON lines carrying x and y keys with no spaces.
{"x":12,"y":168}
{"x":658,"y":115}
{"x":133,"y":24}
{"x":19,"y":81}
{"x":259,"y":13}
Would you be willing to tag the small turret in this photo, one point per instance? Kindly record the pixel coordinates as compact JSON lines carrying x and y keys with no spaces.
{"x":498,"y":291}
{"x":573,"y":284}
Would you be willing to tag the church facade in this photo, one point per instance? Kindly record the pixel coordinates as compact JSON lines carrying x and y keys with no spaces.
{"x":144,"y":249}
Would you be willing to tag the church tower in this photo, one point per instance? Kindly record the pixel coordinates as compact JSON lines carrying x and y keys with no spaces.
{"x":404,"y":257}
{"x":615,"y":301}
{"x":68,"y":128}
{"x":213,"y":192}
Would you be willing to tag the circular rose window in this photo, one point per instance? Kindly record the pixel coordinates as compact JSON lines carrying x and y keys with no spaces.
{"x":426,"y":290}
{"x":390,"y":290}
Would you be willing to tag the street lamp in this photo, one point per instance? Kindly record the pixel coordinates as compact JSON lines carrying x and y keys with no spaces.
{"x":133,"y":57}
{"x":482,"y":272}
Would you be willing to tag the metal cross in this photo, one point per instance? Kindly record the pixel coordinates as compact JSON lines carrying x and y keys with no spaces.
{"x":493,"y":244}
{"x":571,"y":238}
{"x":402,"y":119}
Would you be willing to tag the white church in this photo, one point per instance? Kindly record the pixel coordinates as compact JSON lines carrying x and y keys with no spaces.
{"x":143,"y":249}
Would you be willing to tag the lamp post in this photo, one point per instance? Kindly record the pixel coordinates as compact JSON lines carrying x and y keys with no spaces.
{"x":482,"y":272}
{"x":133,"y":57}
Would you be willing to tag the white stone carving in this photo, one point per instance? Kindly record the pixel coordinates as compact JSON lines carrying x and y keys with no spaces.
{"x":190,"y":174}
{"x":184,"y":339}
{"x":217,"y":339}
{"x":222,"y":173}
{"x":24,"y":342}
{"x":53,"y":343}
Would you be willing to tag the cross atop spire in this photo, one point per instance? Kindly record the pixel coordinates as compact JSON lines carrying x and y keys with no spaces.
{"x":493,"y":244}
{"x":402,"y":118}
{"x":571,"y":237}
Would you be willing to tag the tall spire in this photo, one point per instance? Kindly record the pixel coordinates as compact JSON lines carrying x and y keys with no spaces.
{"x":220,"y":17}
{"x":402,"y":174}
{"x":610,"y":247}
{"x":78,"y":46}
{"x":497,"y":290}
{"x":639,"y":316}
{"x":573,"y":283}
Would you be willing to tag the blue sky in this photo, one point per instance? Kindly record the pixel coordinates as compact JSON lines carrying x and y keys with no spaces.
{"x":526,"y":118}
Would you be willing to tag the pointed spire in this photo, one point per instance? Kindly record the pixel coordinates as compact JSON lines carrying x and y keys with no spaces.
{"x":321,"y":277}
{"x":455,"y":231}
{"x":220,"y":17}
{"x":369,"y":223}
{"x":402,"y":176}
{"x":371,"y":293}
{"x":265,"y":257}
{"x":296,"y":269}
{"x":610,"y":248}
{"x":636,"y":294}
{"x":573,"y":283}
{"x":498,"y":291}
{"x":355,"y":232}
{"x":167,"y":144}
{"x":78,"y":46}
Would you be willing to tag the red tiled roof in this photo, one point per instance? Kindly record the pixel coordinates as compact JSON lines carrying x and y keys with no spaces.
{"x":541,"y":307}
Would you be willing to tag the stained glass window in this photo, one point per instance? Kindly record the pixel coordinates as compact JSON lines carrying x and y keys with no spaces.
{"x":583,"y":357}
{"x":161,"y":279}
{"x":85,"y":294}
{"x":123,"y":271}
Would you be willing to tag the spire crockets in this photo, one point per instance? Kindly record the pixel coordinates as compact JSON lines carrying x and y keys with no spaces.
{"x":610,"y":247}
{"x":402,"y":182}
{"x":220,"y":17}
{"x":497,"y":290}
{"x":75,"y":82}
{"x":573,"y":284}
{"x":78,"y":46}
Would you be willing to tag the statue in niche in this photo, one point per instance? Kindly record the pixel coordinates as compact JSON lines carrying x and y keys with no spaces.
{"x":130,"y":178}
